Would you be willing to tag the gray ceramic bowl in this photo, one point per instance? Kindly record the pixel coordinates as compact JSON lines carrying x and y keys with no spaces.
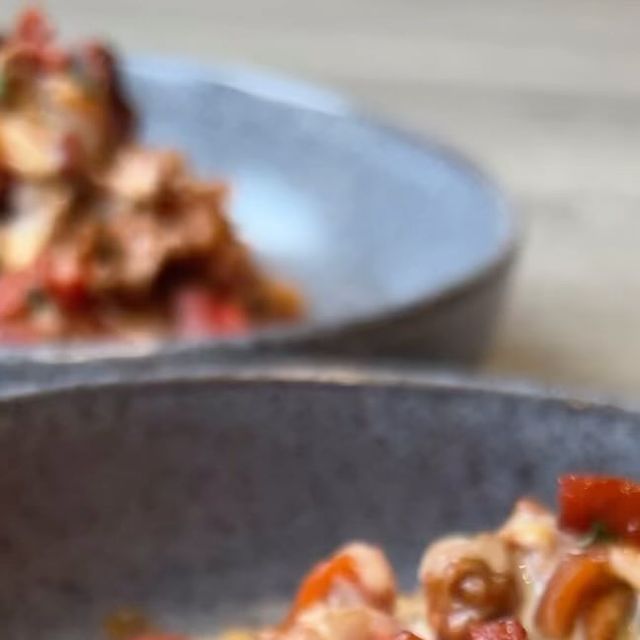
{"x":400,"y":247}
{"x":202,"y":497}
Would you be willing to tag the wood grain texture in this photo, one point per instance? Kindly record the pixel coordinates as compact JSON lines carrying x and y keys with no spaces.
{"x":546,"y":95}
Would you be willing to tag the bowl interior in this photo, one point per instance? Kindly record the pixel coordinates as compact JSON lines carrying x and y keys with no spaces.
{"x":202,"y":501}
{"x":362,"y":218}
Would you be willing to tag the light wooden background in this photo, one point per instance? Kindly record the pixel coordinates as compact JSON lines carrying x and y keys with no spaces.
{"x":544,"y":93}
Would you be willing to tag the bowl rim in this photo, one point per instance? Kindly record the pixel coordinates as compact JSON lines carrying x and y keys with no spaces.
{"x":304,"y":371}
{"x":275,"y":87}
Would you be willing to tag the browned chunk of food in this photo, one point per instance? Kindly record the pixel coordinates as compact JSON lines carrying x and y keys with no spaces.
{"x":583,"y":590}
{"x":467,"y":581}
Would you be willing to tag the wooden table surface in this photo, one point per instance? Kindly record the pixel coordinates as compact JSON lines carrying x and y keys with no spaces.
{"x":546,"y":95}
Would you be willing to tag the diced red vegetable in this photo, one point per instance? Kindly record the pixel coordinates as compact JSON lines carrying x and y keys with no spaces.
{"x":33,"y":28}
{"x":356,"y":573}
{"x":322,"y":579}
{"x":610,"y":503}
{"x":200,"y":313}
{"x":66,"y":281}
{"x":36,"y":36}
{"x":15,"y":288}
{"x":231,"y":318}
{"x":508,"y":629}
{"x":17,"y":333}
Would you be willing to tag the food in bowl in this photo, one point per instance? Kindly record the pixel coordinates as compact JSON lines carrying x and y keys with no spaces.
{"x":571,"y":577}
{"x":100,"y":235}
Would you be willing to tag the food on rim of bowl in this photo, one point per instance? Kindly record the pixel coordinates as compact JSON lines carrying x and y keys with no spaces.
{"x":571,"y":577}
{"x":100,"y":235}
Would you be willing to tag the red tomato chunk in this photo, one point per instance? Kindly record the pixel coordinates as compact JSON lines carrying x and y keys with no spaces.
{"x":588,"y":501}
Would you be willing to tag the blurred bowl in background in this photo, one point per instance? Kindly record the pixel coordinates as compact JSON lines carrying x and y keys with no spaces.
{"x":400,"y":247}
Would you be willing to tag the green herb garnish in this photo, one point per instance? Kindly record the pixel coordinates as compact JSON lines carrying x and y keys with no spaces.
{"x":599,"y":533}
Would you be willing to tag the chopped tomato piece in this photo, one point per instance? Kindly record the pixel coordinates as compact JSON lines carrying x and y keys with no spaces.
{"x":35,"y":35}
{"x":15,"y":288}
{"x":231,"y":318}
{"x":33,"y":28}
{"x":612,"y":504}
{"x":323,"y":579}
{"x":358,"y":573}
{"x":66,"y":281}
{"x":200,"y":313}
{"x":17,"y":333}
{"x":508,"y":629}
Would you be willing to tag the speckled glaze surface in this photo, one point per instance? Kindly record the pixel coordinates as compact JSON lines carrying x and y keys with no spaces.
{"x":400,"y":247}
{"x":201,"y":496}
